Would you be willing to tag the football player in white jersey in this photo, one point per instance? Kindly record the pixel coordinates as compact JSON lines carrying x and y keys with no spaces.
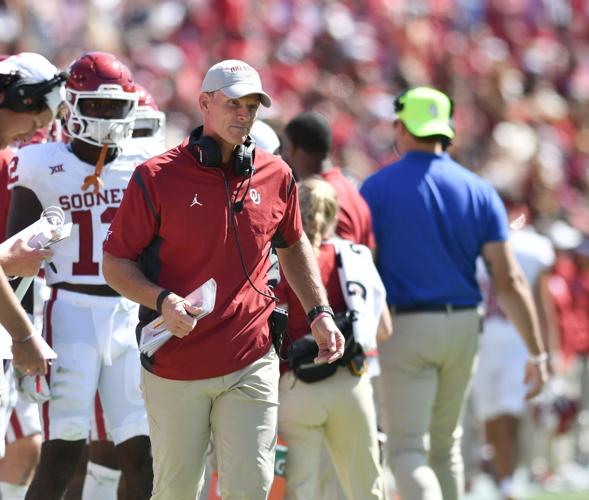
{"x":86,"y":322}
{"x":102,"y":471}
{"x":498,"y":387}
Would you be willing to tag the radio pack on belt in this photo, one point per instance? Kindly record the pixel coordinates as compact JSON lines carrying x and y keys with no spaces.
{"x":278,"y":325}
{"x":302,"y":353}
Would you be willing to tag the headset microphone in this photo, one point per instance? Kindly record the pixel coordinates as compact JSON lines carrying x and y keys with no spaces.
{"x":238,"y":206}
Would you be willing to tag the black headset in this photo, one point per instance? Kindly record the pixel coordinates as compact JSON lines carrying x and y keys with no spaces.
{"x":23,"y":96}
{"x":207,"y":152}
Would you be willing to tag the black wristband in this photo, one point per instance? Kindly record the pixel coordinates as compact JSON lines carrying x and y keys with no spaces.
{"x":317,"y":310}
{"x":160,"y":300}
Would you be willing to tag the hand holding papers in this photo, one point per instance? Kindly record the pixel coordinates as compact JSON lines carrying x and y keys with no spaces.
{"x":51,"y":228}
{"x":47,"y":231}
{"x":155,"y":334}
{"x":43,"y":233}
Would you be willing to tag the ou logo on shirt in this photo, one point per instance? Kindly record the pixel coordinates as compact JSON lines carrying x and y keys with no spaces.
{"x":255,"y":196}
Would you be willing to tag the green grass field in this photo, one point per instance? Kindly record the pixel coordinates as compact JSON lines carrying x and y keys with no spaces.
{"x":582,"y":495}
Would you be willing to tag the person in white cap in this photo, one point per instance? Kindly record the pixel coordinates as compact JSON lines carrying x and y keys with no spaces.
{"x":31,"y":92}
{"x":210,"y":208}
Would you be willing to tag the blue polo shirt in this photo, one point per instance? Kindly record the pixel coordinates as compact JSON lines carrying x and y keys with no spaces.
{"x":431,"y":217}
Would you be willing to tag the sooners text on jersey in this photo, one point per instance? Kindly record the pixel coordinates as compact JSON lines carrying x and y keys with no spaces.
{"x":56,"y":175}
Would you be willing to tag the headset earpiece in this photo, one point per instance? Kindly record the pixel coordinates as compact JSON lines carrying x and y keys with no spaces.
{"x":207,"y":152}
{"x":7,"y":80}
{"x":244,"y":156}
{"x":22,"y":96}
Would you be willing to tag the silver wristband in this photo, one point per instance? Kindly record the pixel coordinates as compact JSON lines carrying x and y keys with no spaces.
{"x":22,"y":341}
{"x":538,"y":358}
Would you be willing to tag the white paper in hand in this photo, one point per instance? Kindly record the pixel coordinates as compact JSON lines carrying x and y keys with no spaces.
{"x":48,"y":230}
{"x":155,"y":334}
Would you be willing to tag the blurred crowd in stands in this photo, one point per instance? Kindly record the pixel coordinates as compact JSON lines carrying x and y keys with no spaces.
{"x":518,"y":71}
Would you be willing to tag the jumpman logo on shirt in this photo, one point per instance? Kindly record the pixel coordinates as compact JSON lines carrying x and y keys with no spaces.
{"x":195,"y":201}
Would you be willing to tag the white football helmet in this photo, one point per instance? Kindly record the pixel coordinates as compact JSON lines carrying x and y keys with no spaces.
{"x":149,"y":120}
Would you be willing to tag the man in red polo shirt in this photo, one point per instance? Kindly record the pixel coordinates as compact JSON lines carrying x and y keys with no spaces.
{"x":210,"y":208}
{"x":306,"y":145}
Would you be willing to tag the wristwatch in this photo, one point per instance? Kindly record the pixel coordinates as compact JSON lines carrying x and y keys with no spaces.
{"x":317,"y":310}
{"x":160,"y":300}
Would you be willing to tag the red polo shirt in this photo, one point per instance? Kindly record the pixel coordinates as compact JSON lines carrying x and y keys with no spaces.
{"x":174,"y":220}
{"x":354,"y":221}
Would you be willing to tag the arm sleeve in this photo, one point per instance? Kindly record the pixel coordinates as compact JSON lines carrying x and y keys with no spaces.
{"x":290,"y":228}
{"x":345,"y":229}
{"x":368,"y":236}
{"x":136,"y":221}
{"x":21,"y":170}
{"x":369,"y":195}
{"x":497,"y":228}
{"x":281,"y":290}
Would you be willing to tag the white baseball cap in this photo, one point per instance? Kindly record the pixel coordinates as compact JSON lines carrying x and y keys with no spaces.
{"x":35,"y":69}
{"x":235,"y":79}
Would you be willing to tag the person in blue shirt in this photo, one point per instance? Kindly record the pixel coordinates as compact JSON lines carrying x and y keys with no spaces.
{"x":432,"y":218}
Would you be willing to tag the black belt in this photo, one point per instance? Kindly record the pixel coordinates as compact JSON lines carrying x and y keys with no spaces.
{"x":100,"y":290}
{"x":417,"y":308}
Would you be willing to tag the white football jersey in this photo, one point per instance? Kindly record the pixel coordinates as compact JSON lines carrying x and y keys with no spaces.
{"x":534,"y":253}
{"x":146,"y":147}
{"x":56,"y":176}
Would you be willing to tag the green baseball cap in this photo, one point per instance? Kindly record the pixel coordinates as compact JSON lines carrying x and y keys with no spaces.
{"x":425,"y":112}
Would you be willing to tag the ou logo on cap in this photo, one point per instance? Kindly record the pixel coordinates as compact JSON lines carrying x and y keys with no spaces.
{"x":255,"y":196}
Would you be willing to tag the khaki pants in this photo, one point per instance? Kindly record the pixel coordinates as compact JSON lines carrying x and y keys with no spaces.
{"x":426,"y":366}
{"x":340,"y":411}
{"x":238,"y":409}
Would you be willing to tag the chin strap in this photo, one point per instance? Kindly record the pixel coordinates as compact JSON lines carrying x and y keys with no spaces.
{"x":95,"y":179}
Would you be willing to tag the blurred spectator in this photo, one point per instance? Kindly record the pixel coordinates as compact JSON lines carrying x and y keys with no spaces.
{"x":568,"y":288}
